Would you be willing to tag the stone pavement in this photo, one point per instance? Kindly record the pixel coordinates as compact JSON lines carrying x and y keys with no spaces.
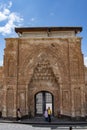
{"x":39,"y":123}
{"x":16,"y":126}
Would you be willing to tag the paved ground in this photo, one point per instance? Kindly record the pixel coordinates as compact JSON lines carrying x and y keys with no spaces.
{"x":14,"y":126}
{"x":41,"y":124}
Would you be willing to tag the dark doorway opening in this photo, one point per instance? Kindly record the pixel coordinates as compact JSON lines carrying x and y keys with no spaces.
{"x":43,"y":100}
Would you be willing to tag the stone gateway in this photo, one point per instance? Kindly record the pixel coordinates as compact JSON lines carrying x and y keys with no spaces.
{"x":43,"y":67}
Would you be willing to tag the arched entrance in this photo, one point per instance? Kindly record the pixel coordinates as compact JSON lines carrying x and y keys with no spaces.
{"x":43,"y":100}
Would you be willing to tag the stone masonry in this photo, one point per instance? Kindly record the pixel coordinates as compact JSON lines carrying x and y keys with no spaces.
{"x":43,"y":59}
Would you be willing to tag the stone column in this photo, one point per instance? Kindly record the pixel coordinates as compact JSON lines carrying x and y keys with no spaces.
{"x":72,"y":102}
{"x":82,"y":101}
{"x":15,"y":103}
{"x":56,"y":102}
{"x":4,"y":112}
{"x":29,"y":102}
{"x":61,"y":107}
{"x":27,"y":92}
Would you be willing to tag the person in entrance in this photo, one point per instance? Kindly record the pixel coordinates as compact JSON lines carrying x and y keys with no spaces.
{"x":46,"y":115}
{"x":49,"y":114}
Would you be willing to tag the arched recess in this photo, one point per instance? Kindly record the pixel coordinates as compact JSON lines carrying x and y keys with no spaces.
{"x":10,"y":102}
{"x":43,"y":79}
{"x":29,"y":68}
{"x":43,"y":70}
{"x":31,"y":61}
{"x":43,"y":100}
{"x":55,"y":64}
{"x":10,"y":66}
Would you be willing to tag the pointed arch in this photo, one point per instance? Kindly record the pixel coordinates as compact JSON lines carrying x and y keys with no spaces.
{"x":51,"y":58}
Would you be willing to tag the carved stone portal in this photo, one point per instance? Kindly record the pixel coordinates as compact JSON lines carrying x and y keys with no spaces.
{"x":44,"y":67}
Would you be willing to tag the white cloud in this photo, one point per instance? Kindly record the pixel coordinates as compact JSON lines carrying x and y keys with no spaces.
{"x":85,"y":61}
{"x":4,"y":5}
{"x":9,"y":4}
{"x":11,"y":19}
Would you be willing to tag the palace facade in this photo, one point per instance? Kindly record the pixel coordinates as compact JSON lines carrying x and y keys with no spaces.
{"x":44,"y":67}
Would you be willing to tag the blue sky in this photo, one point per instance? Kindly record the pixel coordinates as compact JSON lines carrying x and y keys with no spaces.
{"x":27,"y":13}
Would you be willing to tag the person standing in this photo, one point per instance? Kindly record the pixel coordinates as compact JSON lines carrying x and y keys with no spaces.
{"x":49,"y":114}
{"x":46,"y":115}
{"x":18,"y":114}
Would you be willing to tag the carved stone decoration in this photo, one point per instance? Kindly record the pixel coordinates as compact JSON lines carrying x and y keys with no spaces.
{"x":43,"y":72}
{"x":77,"y":101}
{"x":10,"y":102}
{"x":46,"y":60}
{"x":66,"y":101}
{"x":11,"y":68}
{"x":22,"y":102}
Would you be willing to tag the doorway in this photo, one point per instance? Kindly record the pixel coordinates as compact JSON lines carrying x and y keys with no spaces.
{"x":43,"y":100}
